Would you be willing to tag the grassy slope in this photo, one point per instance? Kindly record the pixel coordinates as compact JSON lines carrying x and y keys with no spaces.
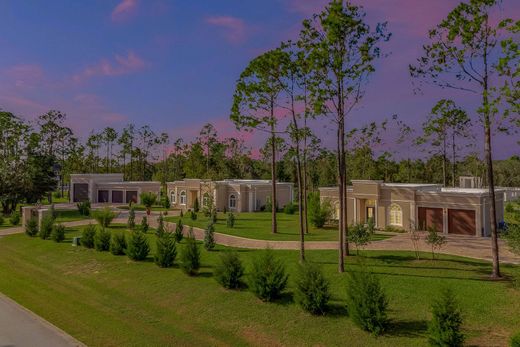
{"x":105,"y":300}
{"x":257,"y":225}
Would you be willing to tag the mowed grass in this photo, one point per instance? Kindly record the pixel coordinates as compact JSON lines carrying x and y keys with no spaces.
{"x":63,"y":216}
{"x":257,"y":225}
{"x":106,"y":300}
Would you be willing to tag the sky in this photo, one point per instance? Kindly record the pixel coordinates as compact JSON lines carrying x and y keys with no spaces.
{"x":173,"y":64}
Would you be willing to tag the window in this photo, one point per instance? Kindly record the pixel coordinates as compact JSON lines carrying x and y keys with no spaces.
{"x":205,"y":200}
{"x":182,"y":197}
{"x":396,"y":215}
{"x":232,"y":201}
{"x":173,"y":198}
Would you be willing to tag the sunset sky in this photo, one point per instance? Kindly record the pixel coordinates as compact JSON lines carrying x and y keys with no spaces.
{"x":173,"y":64}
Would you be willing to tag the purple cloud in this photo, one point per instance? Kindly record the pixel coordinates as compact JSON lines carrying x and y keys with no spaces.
{"x":120,"y":65}
{"x":124,"y":10}
{"x":234,"y":29}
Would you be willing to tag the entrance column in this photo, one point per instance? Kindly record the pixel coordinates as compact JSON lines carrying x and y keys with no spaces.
{"x":355,"y":211}
{"x":445,"y":221}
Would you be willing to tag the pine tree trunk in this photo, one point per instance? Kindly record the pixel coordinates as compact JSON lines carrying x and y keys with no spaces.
{"x":273,"y":173}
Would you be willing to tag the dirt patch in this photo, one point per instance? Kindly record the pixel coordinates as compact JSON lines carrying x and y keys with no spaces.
{"x":89,"y":267}
{"x":257,"y":338}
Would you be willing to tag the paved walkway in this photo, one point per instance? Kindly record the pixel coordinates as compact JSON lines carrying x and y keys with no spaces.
{"x":21,"y":327}
{"x":465,"y":246}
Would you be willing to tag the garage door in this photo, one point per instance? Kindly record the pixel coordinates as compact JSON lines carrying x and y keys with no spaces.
{"x":102,"y":196}
{"x":430,"y":218}
{"x":131,"y":196}
{"x":461,"y":222}
{"x":117,"y":196}
{"x":80,"y":192}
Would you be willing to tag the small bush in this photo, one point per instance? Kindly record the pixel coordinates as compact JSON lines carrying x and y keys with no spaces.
{"x":165,"y":202}
{"x":193,"y":215}
{"x":319,"y":213}
{"x":230,"y":220}
{"x":512,"y":238}
{"x":58,"y":233}
{"x":31,"y":228}
{"x":312,"y":289}
{"x":359,"y":235}
{"x":148,"y":199}
{"x":445,"y":327}
{"x":104,"y":216}
{"x":46,"y":226}
{"x":166,"y":250}
{"x":366,"y":302}
{"x":102,"y":240}
{"x":190,"y":255}
{"x":268,"y":277}
{"x":268,"y":205}
{"x":393,"y":229}
{"x":214,"y":216}
{"x":181,"y":214}
{"x":14,"y":219}
{"x":84,"y":208}
{"x":131,"y":218}
{"x":290,"y":208}
{"x":53,"y":212}
{"x":160,"y":226}
{"x":196,"y":206}
{"x":179,"y":227}
{"x":229,"y":271}
{"x":435,"y":240}
{"x":209,"y":237}
{"x":515,"y":340}
{"x":144,"y":225}
{"x":118,"y":243}
{"x":87,"y":236}
{"x":138,"y":247}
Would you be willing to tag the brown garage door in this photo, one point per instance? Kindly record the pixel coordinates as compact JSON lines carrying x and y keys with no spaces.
{"x":430,"y":218}
{"x":117,"y":196}
{"x":461,"y":222}
{"x":80,"y":192}
{"x":102,"y":196}
{"x":131,"y":195}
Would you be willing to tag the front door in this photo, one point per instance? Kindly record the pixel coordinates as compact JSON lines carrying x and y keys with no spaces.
{"x":371,"y":212}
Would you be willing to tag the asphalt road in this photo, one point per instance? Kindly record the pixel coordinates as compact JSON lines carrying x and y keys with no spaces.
{"x":20,"y":327}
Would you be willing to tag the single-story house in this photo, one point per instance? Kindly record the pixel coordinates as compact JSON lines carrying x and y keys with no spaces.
{"x":111,"y":188}
{"x":231,"y":195}
{"x":406,"y":206}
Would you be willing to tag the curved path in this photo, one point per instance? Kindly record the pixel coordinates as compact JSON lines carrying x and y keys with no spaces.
{"x":465,"y":246}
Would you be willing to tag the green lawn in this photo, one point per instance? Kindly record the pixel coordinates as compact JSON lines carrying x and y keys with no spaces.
{"x":6,"y":223}
{"x":157,"y":208}
{"x":257,"y":225}
{"x":104,"y":300}
{"x":69,"y":216}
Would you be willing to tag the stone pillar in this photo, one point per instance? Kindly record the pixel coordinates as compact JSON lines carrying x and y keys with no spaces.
{"x":42,"y":212}
{"x":445,"y":221}
{"x":27,"y":213}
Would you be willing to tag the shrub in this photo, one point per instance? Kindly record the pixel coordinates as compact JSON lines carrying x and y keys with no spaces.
{"x":46,"y":226}
{"x":268,"y":205}
{"x":190,"y":255}
{"x":214,"y":216}
{"x":229,"y":271}
{"x":230,"y":220}
{"x":31,"y":228}
{"x":366,"y":302}
{"x":165,"y":202}
{"x":513,"y":238}
{"x":53,"y":212}
{"x":435,"y":240}
{"x":196,"y":206}
{"x":166,"y":250}
{"x":209,"y":237}
{"x":144,"y":225}
{"x":193,"y":215}
{"x":393,"y":229}
{"x":14,"y":219}
{"x":371,"y":225}
{"x":104,"y":216}
{"x":84,"y":208}
{"x":181,"y":214}
{"x":312,"y":289}
{"x":290,"y":208}
{"x":148,"y":199}
{"x":87,"y":236}
{"x":515,"y":340}
{"x":58,"y":233}
{"x":138,"y":247}
{"x":160,"y":226}
{"x":118,"y":243}
{"x":102,"y":240}
{"x":2,"y":220}
{"x":268,"y":278}
{"x":445,"y":327}
{"x":319,"y":212}
{"x":131,"y":218}
{"x":359,"y":235}
{"x":179,"y":227}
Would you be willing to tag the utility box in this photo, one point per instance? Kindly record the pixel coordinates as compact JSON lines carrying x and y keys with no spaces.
{"x":76,"y":241}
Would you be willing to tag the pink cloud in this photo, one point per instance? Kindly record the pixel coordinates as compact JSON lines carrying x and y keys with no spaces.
{"x":124,"y":10}
{"x":234,"y":29}
{"x":120,"y":65}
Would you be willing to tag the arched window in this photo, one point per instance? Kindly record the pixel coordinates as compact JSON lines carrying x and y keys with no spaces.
{"x":396,"y":215}
{"x":232,"y":201}
{"x":182,"y":197}
{"x":205,"y":200}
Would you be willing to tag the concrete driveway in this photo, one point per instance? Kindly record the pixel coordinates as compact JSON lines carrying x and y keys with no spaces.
{"x":21,"y":327}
